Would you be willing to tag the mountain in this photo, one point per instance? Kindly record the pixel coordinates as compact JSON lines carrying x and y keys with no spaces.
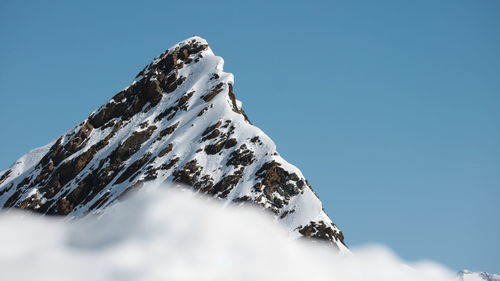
{"x":178,"y":122}
{"x":466,"y":275}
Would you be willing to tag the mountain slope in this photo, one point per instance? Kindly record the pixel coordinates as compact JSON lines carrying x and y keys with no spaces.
{"x":179,"y":121}
{"x":466,"y":275}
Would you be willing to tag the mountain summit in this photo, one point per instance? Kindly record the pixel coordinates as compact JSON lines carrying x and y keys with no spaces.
{"x":178,"y":122}
{"x":466,"y":275}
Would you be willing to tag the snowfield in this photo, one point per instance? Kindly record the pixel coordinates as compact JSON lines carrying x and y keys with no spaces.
{"x":166,"y":233}
{"x":466,"y":275}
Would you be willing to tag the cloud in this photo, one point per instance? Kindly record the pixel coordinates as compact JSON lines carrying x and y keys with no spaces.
{"x":171,"y":234}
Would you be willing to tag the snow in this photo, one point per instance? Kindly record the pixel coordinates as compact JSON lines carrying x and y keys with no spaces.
{"x":170,"y":234}
{"x":467,"y":275}
{"x":27,"y":161}
{"x":23,"y":165}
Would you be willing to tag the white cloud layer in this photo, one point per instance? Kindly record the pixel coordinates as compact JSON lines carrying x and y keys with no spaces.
{"x":166,"y":234}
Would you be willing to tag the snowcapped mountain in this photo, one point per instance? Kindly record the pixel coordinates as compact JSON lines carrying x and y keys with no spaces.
{"x":178,"y":122}
{"x":466,"y":275}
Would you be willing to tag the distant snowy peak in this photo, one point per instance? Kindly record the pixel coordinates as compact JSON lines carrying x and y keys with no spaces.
{"x":466,"y":275}
{"x":178,"y":122}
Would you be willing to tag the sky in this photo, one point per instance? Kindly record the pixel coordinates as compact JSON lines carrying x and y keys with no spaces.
{"x":391,"y":109}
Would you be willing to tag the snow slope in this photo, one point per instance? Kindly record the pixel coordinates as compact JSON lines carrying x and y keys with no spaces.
{"x":466,"y":275}
{"x":24,"y":163}
{"x":178,"y":122}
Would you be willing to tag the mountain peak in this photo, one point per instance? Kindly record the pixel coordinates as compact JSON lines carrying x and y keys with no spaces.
{"x":182,"y":51}
{"x":178,"y":122}
{"x":467,"y":275}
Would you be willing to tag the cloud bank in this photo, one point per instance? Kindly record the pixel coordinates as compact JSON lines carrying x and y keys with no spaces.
{"x":170,"y":234}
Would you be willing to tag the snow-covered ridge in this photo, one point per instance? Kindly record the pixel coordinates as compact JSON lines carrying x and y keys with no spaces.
{"x":178,"y":122}
{"x":24,"y":163}
{"x":466,"y":275}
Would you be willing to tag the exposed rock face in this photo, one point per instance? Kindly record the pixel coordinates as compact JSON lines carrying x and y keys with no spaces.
{"x":179,"y":121}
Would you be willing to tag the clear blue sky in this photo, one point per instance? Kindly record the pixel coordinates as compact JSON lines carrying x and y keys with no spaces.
{"x":390,"y":108}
